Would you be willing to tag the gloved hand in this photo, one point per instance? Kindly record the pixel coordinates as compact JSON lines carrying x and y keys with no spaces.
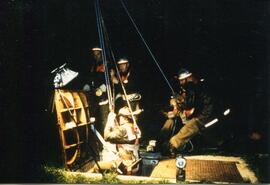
{"x":100,"y":90}
{"x":173,"y":102}
{"x":113,"y":77}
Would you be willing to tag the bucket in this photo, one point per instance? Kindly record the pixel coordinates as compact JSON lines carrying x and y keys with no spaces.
{"x":149,"y":161}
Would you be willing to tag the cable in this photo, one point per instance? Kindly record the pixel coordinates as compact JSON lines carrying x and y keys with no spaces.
{"x":103,"y":52}
{"x":146,"y":45}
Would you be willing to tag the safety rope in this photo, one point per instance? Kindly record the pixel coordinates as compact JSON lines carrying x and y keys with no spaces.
{"x":103,"y":52}
{"x":102,"y":33}
{"x":104,"y":59}
{"x":146,"y":45}
{"x":128,"y":103}
{"x":107,"y":41}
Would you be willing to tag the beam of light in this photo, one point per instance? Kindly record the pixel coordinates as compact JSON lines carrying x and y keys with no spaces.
{"x":211,"y":123}
{"x":226,"y":112}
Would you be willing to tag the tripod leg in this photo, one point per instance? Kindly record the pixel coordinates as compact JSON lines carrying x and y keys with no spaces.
{"x":95,"y":157}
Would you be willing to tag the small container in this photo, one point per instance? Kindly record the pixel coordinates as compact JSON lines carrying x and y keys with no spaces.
{"x":180,"y":170}
{"x":151,"y":146}
{"x":149,"y":161}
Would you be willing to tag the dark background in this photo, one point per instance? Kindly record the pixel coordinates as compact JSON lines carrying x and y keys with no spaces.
{"x":225,"y":42}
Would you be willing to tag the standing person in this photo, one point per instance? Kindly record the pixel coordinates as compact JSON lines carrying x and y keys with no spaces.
{"x":97,"y":87}
{"x":128,"y":80}
{"x":194,"y":106}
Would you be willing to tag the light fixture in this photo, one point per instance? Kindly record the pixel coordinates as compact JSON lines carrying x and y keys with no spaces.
{"x":63,"y":76}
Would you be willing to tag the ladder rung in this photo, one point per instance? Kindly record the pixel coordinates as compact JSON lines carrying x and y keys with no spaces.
{"x":72,"y":145}
{"x":79,"y":125}
{"x":70,"y":109}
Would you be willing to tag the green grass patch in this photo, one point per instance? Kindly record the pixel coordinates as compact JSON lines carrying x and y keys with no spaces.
{"x":58,"y":175}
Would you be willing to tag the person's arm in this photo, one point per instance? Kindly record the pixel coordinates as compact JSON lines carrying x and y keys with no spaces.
{"x":109,"y":125}
{"x":113,"y":77}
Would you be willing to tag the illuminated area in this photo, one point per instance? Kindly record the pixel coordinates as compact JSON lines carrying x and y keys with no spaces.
{"x":191,"y":76}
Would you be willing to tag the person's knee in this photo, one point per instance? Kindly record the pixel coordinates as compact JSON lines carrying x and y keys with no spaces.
{"x":189,"y":130}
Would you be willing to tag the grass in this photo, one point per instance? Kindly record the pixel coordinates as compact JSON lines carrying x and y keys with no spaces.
{"x":51,"y":174}
{"x":58,"y":175}
{"x":260,"y":165}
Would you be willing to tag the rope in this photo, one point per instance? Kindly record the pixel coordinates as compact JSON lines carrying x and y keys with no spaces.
{"x":101,"y":32}
{"x":112,"y":94}
{"x":112,"y":58}
{"x":146,"y":45}
{"x":103,"y":52}
{"x":128,"y":102}
{"x":104,"y":59}
{"x":119,"y":77}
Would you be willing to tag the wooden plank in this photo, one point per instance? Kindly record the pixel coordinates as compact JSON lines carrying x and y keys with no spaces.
{"x":165,"y":169}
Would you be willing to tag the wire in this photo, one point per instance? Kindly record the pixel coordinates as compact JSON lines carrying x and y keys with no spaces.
{"x":146,"y":45}
{"x":103,"y":52}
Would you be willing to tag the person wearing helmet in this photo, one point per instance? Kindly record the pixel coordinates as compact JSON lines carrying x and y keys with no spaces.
{"x":128,"y":81}
{"x":192,"y":106}
{"x":96,"y":86}
{"x":121,"y":128}
{"x":122,"y":131}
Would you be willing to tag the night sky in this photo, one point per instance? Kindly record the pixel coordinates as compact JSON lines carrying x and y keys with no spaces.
{"x":225,"y":42}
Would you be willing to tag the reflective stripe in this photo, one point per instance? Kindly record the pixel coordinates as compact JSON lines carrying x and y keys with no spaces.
{"x":211,"y":123}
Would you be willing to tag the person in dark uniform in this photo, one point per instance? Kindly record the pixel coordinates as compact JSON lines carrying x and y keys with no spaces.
{"x":96,"y":87}
{"x":128,"y":80}
{"x":194,"y":106}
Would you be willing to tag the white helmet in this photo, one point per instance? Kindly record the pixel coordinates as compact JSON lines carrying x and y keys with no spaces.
{"x":183,"y":73}
{"x":122,"y":61}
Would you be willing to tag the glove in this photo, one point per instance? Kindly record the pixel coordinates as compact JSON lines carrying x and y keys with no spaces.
{"x":113,"y":77}
{"x":173,"y":102}
{"x":98,"y":92}
{"x":101,"y":89}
